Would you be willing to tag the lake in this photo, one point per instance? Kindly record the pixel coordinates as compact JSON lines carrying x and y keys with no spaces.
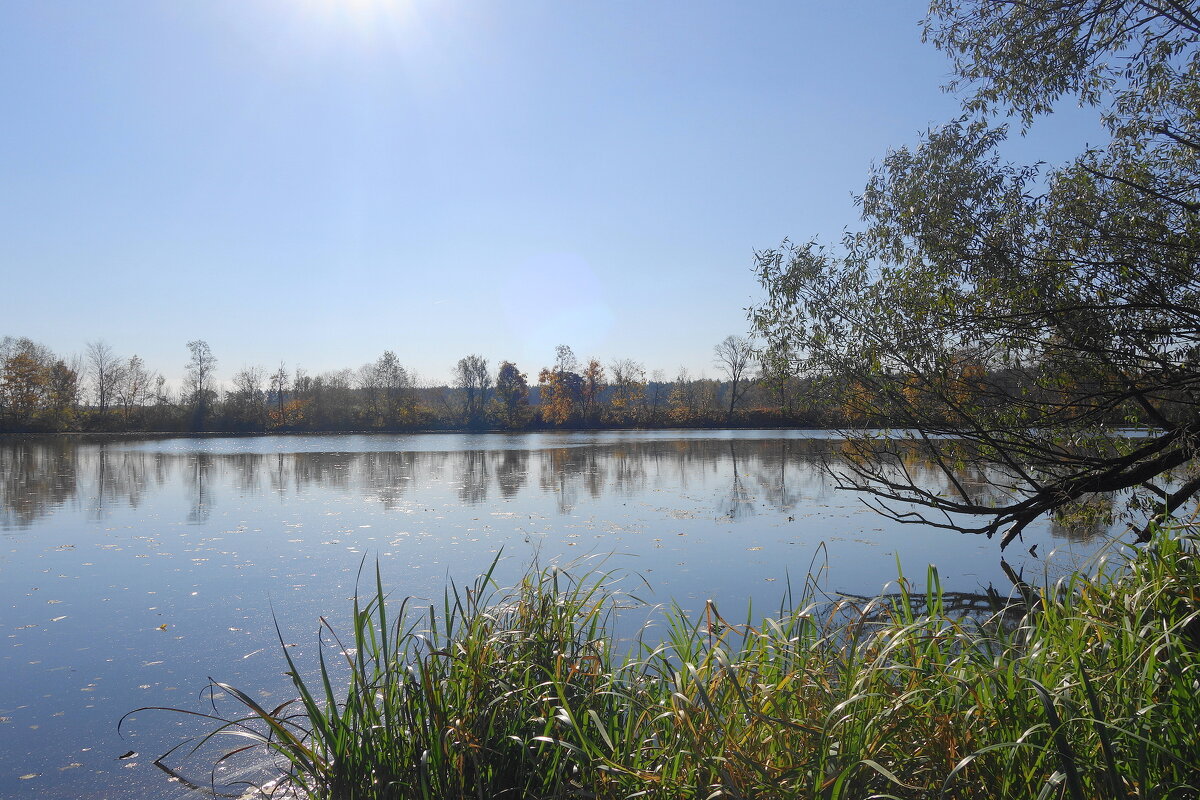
{"x":131,"y":570}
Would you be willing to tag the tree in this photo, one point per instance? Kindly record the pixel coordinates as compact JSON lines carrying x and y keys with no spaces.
{"x":63,"y":393}
{"x":336,"y":396}
{"x":23,"y":383}
{"x":132,"y":386}
{"x":559,"y":395}
{"x":199,"y":381}
{"x":656,"y":395}
{"x":564,"y":359}
{"x":629,"y":388}
{"x":1017,"y":318}
{"x":775,"y":374}
{"x":560,"y":388}
{"x":278,"y":388}
{"x":391,"y":381}
{"x":246,"y":402}
{"x":591,"y":387}
{"x":683,"y":398}
{"x":26,"y":371}
{"x":163,"y":411}
{"x":472,"y":376}
{"x":512,"y":395}
{"x":106,"y":371}
{"x":732,"y":356}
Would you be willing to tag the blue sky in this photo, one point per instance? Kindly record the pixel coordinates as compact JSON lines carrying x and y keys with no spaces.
{"x":316,"y":181}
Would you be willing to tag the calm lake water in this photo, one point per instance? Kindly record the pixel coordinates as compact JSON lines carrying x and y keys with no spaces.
{"x":132,"y":570}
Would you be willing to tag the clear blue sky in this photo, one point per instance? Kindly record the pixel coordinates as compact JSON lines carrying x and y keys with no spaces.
{"x":316,"y":181}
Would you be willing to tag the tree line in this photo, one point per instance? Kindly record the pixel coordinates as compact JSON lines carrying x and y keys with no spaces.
{"x":100,"y":390}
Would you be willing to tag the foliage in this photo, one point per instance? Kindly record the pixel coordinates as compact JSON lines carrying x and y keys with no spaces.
{"x":1087,"y":692}
{"x":691,"y":402}
{"x":629,"y":389}
{"x":560,"y":389}
{"x":592,"y":386}
{"x":473,"y":377}
{"x":38,"y":391}
{"x":559,"y":396}
{"x":512,"y":395}
{"x":1021,"y":317}
{"x":24,"y":383}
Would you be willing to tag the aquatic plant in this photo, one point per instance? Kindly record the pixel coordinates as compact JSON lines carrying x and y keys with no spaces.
{"x":1092,"y":692}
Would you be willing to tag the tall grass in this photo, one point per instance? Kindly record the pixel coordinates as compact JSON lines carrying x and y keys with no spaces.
{"x":526,"y":693}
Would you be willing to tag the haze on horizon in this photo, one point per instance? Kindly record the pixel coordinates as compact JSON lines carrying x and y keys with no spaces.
{"x":317,"y":181}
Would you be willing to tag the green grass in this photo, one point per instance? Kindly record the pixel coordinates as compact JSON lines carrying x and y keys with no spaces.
{"x":1094,"y":692}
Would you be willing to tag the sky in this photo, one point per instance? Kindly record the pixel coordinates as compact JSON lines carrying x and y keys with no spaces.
{"x":316,"y":181}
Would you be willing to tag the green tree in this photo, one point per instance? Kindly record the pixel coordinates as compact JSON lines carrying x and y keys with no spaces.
{"x":62,"y":395}
{"x":776,"y":376}
{"x":1016,"y":316}
{"x":512,"y":396}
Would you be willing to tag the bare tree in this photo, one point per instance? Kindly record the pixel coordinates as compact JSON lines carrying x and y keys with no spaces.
{"x":132,"y":386}
{"x":162,"y":399}
{"x":199,"y":380}
{"x":338,"y":387}
{"x":279,"y":385}
{"x":656,"y":395}
{"x":248,"y":401}
{"x":105,"y":369}
{"x":367,"y":383}
{"x":732,"y":356}
{"x":564,"y":359}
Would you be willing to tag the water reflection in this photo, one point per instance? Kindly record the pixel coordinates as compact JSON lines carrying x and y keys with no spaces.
{"x":35,"y":478}
{"x":198,"y":480}
{"x":39,"y":476}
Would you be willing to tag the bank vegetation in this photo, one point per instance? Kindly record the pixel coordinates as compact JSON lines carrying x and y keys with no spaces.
{"x":1084,"y":688}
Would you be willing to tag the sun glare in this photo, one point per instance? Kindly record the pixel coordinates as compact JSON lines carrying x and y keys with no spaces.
{"x":371,"y":20}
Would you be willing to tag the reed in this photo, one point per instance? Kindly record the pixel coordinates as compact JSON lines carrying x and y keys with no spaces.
{"x":1092,"y":692}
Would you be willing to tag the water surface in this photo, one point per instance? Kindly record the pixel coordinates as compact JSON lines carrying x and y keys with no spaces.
{"x":132,"y":570}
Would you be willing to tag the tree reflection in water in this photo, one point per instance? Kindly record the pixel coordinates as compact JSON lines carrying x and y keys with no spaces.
{"x":38,"y":476}
{"x":198,"y":477}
